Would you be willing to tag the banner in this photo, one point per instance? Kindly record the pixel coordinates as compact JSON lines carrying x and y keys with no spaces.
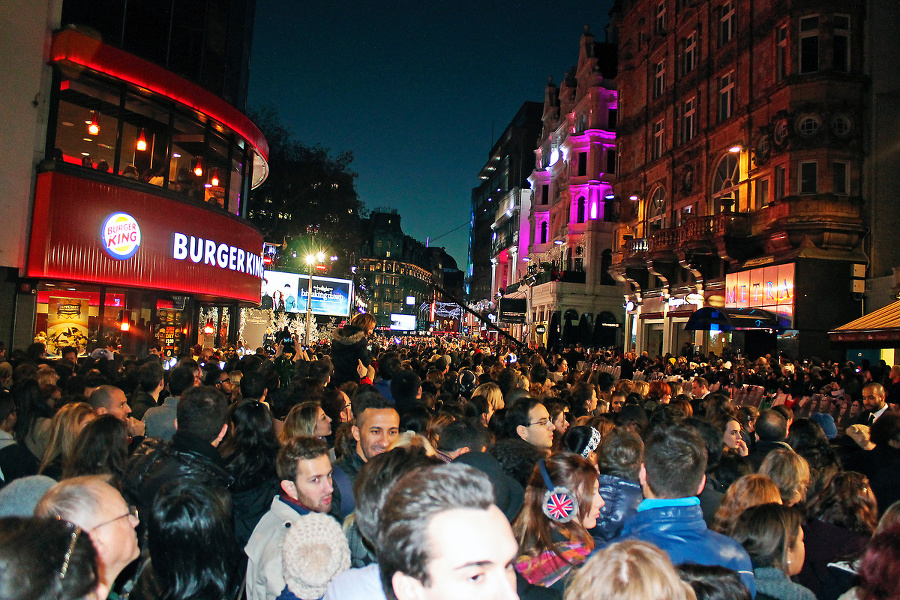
{"x":67,"y":323}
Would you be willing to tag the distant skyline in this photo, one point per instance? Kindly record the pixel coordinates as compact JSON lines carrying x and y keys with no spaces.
{"x":414,"y":89}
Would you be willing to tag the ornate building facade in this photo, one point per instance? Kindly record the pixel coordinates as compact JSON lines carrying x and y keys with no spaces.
{"x":571,"y":225}
{"x":742,"y":139}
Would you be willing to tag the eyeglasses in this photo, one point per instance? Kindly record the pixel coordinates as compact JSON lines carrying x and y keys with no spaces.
{"x":132,"y":512}
{"x":542,"y":423}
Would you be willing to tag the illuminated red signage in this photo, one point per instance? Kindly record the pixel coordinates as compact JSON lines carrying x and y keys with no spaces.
{"x":771,"y":288}
{"x":95,"y":232}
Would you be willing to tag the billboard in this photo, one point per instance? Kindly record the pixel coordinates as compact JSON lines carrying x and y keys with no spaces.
{"x":513,"y":310}
{"x":403,"y":322}
{"x":287,"y":292}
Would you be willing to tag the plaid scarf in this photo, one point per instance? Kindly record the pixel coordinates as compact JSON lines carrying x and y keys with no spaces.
{"x":550,"y":566}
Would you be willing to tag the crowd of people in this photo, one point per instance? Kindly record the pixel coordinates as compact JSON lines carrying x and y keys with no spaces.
{"x":436,"y":469}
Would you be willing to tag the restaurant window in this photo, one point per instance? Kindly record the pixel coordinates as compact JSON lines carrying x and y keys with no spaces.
{"x":87,"y":124}
{"x":144,"y":141}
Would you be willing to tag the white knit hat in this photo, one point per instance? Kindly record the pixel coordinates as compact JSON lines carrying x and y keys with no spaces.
{"x":315,"y":551}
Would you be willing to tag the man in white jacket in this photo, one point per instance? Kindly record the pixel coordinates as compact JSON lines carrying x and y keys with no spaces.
{"x":306,"y":486}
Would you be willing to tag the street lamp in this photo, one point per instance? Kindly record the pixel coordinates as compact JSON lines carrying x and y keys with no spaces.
{"x":310,"y":262}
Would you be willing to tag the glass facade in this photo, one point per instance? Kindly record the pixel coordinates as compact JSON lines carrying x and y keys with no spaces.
{"x":133,"y":134}
{"x":204,"y":41}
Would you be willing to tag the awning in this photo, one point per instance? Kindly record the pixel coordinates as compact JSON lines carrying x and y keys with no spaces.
{"x":732,"y":319}
{"x":880,"y":325}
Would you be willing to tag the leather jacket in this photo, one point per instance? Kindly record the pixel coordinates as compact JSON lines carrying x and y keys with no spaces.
{"x":682,"y":533}
{"x":621,"y":499}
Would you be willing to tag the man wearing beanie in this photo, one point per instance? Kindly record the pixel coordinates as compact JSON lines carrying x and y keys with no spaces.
{"x":306,"y":487}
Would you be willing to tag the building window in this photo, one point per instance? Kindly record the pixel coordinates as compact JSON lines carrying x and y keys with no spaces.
{"x":612,"y":116}
{"x":661,"y":18}
{"x":779,"y":182}
{"x":656,"y":210}
{"x":726,"y":181}
{"x":840,"y":44}
{"x":658,"y":135}
{"x":689,"y":53}
{"x":545,"y":193}
{"x":579,"y":210}
{"x":582,"y":164}
{"x":809,"y":44}
{"x":687,"y":120}
{"x":809,"y":125}
{"x":611,"y":160}
{"x":762,"y":192}
{"x":781,"y":53}
{"x":809,"y":177}
{"x":726,"y":96}
{"x":727,"y":18}
{"x":839,"y":180}
{"x":659,"y":78}
{"x":544,"y":232}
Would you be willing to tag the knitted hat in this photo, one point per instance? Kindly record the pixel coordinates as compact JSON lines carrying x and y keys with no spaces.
{"x":315,"y":551}
{"x":826,"y":422}
{"x":19,"y":498}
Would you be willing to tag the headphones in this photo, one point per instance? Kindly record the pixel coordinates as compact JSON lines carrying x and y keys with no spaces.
{"x":560,"y":504}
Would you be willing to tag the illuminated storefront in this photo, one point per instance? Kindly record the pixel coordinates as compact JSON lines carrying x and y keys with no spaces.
{"x":138,"y":231}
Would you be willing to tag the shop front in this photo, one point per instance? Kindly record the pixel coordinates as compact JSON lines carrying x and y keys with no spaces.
{"x":116,"y":264}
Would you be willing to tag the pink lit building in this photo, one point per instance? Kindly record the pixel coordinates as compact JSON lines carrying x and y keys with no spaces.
{"x":571,"y":296}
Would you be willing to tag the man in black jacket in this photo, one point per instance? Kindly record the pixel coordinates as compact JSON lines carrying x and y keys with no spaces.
{"x":200,"y":426}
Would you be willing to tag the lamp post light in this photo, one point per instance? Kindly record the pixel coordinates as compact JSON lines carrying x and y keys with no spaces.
{"x":311,"y":260}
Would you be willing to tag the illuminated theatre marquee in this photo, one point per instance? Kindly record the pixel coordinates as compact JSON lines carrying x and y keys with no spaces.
{"x":769,"y":288}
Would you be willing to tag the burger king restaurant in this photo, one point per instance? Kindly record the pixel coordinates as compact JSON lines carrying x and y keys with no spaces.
{"x":136,"y":268}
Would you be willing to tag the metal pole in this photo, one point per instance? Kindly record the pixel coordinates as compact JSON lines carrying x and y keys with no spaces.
{"x":309,"y":305}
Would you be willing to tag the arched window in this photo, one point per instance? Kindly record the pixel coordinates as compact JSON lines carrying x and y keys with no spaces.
{"x":579,"y":210}
{"x":656,"y":210}
{"x":725,"y":187}
{"x":544,"y":232}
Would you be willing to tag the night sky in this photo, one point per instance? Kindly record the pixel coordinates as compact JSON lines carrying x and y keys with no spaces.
{"x":413,"y":88}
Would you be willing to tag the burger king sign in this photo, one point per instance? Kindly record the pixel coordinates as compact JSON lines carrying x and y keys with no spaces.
{"x":121,"y":236}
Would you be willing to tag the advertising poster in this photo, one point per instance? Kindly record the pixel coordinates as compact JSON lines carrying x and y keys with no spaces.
{"x":67,"y":323}
{"x":287,"y":292}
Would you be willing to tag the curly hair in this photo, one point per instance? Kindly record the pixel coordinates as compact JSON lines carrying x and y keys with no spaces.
{"x":750,"y":490}
{"x":846,"y":501}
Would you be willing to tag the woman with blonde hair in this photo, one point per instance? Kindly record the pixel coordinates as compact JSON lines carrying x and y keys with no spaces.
{"x":492,"y":392}
{"x":629,"y":570}
{"x":790,"y":472}
{"x":67,"y":423}
{"x":306,"y":419}
{"x":749,"y":490}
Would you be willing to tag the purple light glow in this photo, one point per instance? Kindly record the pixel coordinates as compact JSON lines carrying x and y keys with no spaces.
{"x":593,"y":210}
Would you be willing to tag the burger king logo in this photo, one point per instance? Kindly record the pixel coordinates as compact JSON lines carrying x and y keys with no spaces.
{"x":121,"y":236}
